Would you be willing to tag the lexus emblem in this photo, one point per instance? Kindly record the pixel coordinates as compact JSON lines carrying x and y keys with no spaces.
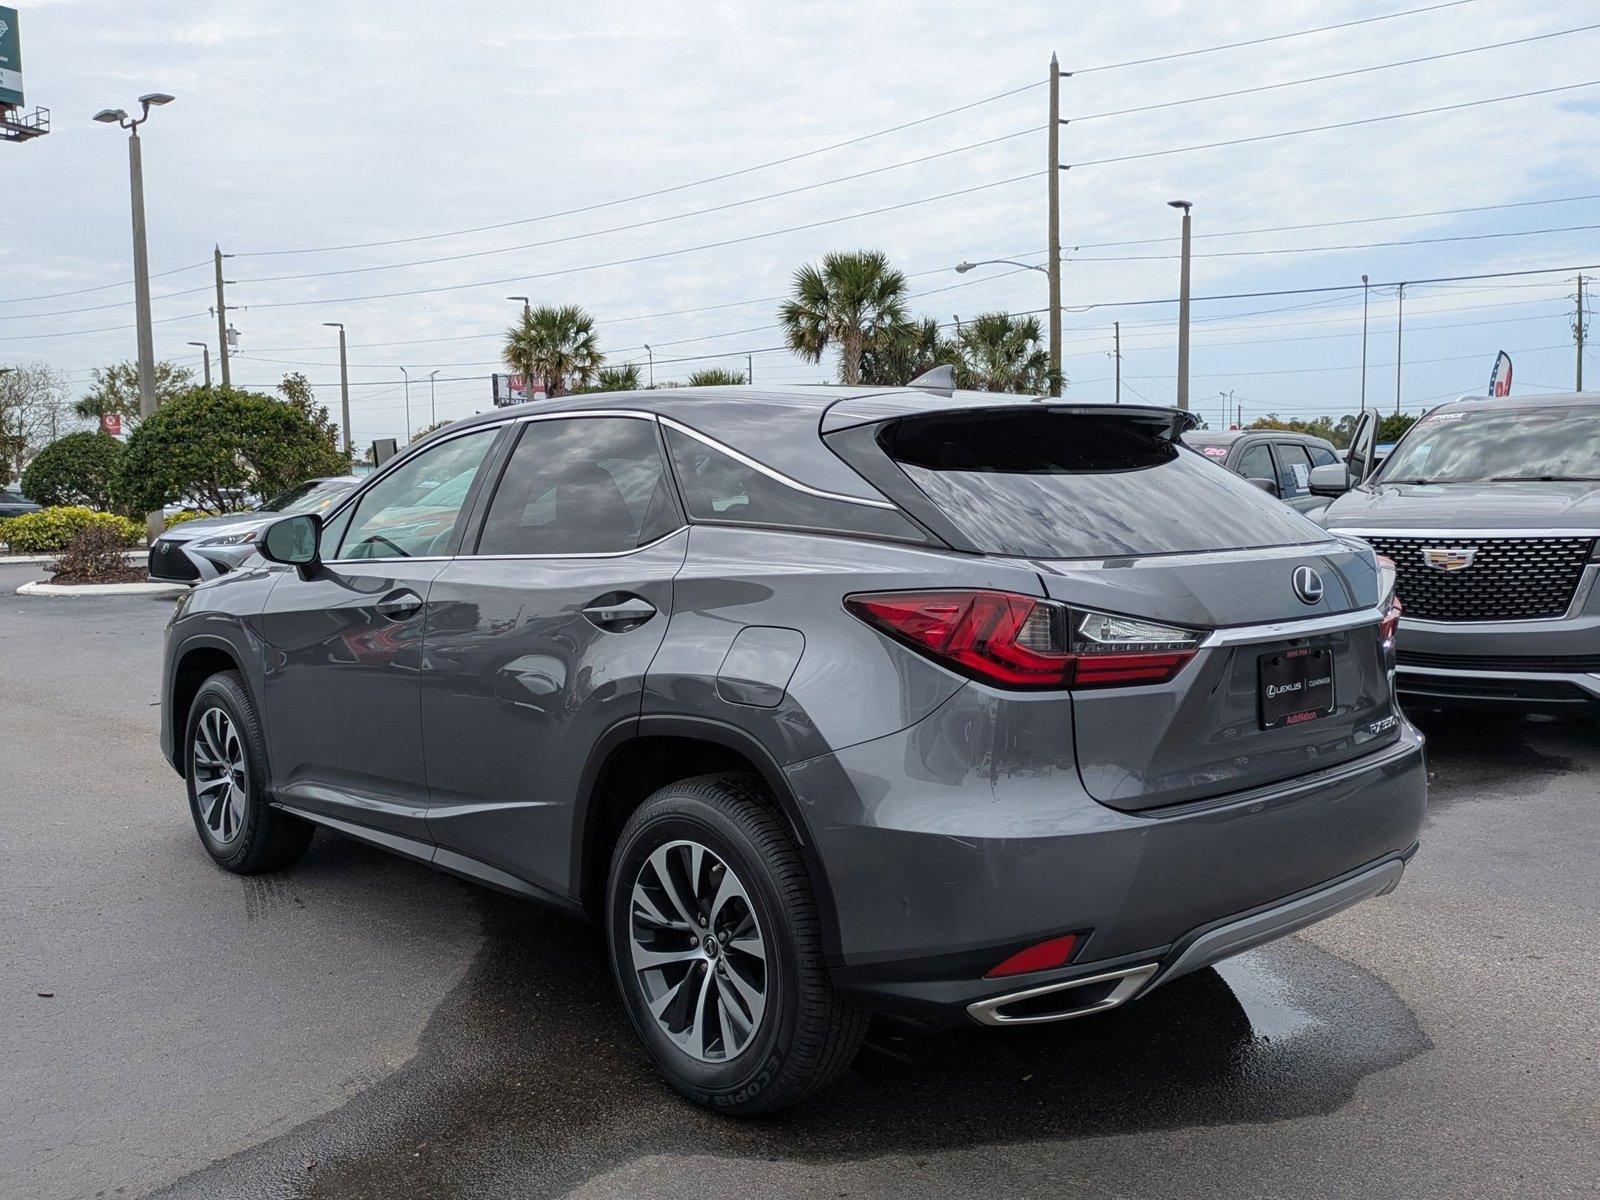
{"x":1307,"y":584}
{"x":1449,"y":558}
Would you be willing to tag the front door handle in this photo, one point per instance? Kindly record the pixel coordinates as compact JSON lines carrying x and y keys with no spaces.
{"x":400,"y":606}
{"x":620,"y":612}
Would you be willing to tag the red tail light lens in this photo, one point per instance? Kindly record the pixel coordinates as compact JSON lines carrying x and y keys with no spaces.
{"x":1019,"y":641}
{"x":1057,"y":952}
{"x":1388,"y":576}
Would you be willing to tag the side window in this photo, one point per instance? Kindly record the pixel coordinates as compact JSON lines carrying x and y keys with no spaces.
{"x":1294,"y":469}
{"x":719,"y":489}
{"x":1256,"y":462}
{"x":581,"y":485}
{"x":1321,"y":456}
{"x":412,"y":511}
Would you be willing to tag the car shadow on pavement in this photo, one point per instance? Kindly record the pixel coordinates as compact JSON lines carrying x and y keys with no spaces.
{"x":527,"y":1079}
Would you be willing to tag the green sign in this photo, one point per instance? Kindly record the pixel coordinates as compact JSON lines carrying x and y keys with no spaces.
{"x":10,"y":58}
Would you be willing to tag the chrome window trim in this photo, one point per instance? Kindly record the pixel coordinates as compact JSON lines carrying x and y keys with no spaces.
{"x":1243,"y":635}
{"x":585,"y":554}
{"x":771,"y":472}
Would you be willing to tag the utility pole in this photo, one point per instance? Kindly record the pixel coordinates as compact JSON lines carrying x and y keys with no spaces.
{"x":1364,"y":291}
{"x":344,"y":389}
{"x":1399,"y":343}
{"x":205,"y":358}
{"x":1055,"y":226}
{"x":154,"y":522}
{"x":652,"y":355}
{"x":1579,"y":386}
{"x":222,"y":322}
{"x":750,"y":368}
{"x":407,"y":375}
{"x":1116,"y":337}
{"x":1183,"y":307}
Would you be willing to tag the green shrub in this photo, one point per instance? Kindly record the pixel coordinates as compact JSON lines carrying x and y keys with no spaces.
{"x":76,"y":469}
{"x":52,"y":529}
{"x":187,"y":515}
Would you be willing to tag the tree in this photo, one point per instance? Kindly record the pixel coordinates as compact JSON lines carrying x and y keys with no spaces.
{"x":556,"y":346}
{"x":116,"y":390}
{"x":1002,"y":353}
{"x":847,"y":301}
{"x":210,"y":446}
{"x":76,"y":469}
{"x":427,"y":429}
{"x":624,"y":378}
{"x":296,"y":389}
{"x":899,"y":354}
{"x":33,"y":408}
{"x":714,"y":377}
{"x":1393,"y":427}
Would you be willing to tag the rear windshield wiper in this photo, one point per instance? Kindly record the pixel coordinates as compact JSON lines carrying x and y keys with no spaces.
{"x":1544,"y":479}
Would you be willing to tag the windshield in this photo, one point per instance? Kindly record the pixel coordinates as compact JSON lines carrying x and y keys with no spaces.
{"x":314,"y":496}
{"x":1460,"y":445}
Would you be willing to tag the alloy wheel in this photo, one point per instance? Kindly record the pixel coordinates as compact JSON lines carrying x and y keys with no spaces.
{"x":221,"y":778}
{"x":698,"y":951}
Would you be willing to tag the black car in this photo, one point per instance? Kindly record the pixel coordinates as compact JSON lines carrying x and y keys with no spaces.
{"x":1274,"y":460}
{"x":13,"y":503}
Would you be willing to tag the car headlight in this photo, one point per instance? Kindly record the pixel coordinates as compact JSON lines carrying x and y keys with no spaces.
{"x":228,"y":539}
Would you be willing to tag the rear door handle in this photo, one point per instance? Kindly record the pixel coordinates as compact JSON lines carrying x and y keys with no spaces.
{"x":620,"y":612}
{"x":398,"y":606}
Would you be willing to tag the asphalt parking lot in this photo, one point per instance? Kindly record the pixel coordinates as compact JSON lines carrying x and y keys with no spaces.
{"x":363,"y":1027}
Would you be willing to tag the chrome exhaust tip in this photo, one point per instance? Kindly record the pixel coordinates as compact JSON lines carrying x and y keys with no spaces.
{"x":1033,"y":1006}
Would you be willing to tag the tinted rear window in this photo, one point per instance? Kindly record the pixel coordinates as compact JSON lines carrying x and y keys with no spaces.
{"x":1042,"y":483}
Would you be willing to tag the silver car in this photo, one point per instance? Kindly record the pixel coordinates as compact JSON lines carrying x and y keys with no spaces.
{"x":207,"y":547}
{"x":1490,"y":510}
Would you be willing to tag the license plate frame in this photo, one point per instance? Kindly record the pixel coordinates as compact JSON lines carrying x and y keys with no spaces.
{"x":1294,"y":685}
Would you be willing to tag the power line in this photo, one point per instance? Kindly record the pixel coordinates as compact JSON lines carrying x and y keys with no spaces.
{"x":1261,"y":41}
{"x":30,"y":337}
{"x":1267,"y":137}
{"x":1269,"y":87}
{"x":103,"y":286}
{"x":67,"y":312}
{"x":1460,"y":237}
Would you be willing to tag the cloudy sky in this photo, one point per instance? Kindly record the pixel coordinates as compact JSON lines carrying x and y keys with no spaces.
{"x":404,"y":167}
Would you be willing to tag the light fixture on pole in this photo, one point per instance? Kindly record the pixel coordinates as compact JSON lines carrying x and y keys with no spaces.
{"x":652,"y":356}
{"x":344,"y":389}
{"x":526,"y":304}
{"x":154,"y":522}
{"x":433,"y":406}
{"x":407,"y":375}
{"x":205,"y":358}
{"x":1183,"y":307}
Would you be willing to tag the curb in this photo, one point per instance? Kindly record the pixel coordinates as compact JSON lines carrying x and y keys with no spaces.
{"x":41,"y":588}
{"x":32,"y":560}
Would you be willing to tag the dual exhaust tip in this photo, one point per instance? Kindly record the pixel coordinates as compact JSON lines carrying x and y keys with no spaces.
{"x":1063,"y":1001}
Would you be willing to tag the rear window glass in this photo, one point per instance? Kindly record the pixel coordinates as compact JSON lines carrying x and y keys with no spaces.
{"x":1043,"y":483}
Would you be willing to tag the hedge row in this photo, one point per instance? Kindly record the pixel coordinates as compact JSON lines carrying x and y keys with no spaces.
{"x":52,"y":529}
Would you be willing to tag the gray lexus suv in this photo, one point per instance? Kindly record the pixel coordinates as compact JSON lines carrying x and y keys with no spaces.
{"x":963,"y":707}
{"x":1490,"y":510}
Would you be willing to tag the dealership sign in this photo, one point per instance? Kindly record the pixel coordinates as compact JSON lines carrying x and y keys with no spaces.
{"x":10,"y":58}
{"x":513,"y":389}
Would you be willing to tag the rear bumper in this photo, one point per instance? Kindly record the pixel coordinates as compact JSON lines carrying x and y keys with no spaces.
{"x":932,"y":887}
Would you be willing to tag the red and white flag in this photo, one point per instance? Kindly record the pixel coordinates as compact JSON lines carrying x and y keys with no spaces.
{"x":1500,"y":377}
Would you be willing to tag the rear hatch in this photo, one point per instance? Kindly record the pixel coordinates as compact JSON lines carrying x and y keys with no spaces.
{"x":1118,"y":519}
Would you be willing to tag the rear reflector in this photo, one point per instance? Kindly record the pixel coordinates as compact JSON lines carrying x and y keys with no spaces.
{"x":1057,"y":952}
{"x":1019,"y":641}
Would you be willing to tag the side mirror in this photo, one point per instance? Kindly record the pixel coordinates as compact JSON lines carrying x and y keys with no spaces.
{"x":293,"y":541}
{"x":1269,"y":486}
{"x":1330,"y":480}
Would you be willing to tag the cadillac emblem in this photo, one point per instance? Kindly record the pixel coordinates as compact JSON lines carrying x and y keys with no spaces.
{"x":1448,"y":558}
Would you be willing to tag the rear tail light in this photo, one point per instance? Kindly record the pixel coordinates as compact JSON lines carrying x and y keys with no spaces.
{"x":1019,"y":641}
{"x":1388,"y":575}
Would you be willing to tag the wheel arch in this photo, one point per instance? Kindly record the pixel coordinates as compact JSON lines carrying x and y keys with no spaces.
{"x":634,"y":759}
{"x":199,"y":659}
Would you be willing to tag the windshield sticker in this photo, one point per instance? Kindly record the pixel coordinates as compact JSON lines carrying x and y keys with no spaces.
{"x":1214,"y":451}
{"x":1302,"y":475}
{"x":1444,"y":416}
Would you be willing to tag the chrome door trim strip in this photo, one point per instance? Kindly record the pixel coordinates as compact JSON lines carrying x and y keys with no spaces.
{"x":1239,"y":635}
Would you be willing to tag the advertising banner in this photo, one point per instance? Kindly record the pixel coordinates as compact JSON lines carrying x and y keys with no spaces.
{"x":10,"y":58}
{"x":1500,"y":377}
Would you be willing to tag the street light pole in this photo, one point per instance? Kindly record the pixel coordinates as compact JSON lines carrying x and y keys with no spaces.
{"x":1399,"y":343}
{"x":154,"y":523}
{"x":205,"y":358}
{"x":1116,"y":338}
{"x":1183,"y":308}
{"x":433,"y":406}
{"x":652,"y":355}
{"x":407,"y":375}
{"x":1364,"y":292}
{"x":344,"y":389}
{"x":1055,"y":226}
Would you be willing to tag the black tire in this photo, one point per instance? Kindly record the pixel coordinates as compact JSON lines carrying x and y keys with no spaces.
{"x":253,"y":836}
{"x":806,"y":1036}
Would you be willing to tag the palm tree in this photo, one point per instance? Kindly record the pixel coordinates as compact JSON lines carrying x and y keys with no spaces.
{"x":847,"y":301}
{"x":624,"y":378}
{"x":1002,"y":353}
{"x":897,"y":356}
{"x":715,"y":377}
{"x":556,"y":345}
